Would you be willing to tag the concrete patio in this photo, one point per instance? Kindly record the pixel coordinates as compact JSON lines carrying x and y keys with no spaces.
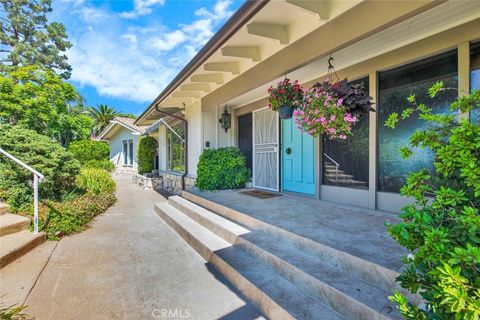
{"x":359,"y":232}
{"x":131,"y":265}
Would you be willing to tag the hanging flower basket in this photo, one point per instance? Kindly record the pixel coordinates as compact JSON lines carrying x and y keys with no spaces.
{"x":331,"y":109}
{"x":285,"y":98}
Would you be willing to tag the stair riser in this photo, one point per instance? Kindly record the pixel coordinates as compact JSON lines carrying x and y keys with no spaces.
{"x":14,"y":228}
{"x":262,"y":301}
{"x":343,"y":304}
{"x":375,"y":274}
{"x":12,"y":256}
{"x":338,"y":301}
{"x":223,"y":233}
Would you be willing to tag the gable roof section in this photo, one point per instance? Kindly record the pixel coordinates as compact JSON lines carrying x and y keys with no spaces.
{"x":127,"y":123}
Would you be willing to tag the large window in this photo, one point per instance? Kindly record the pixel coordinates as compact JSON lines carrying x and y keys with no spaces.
{"x":176,"y":147}
{"x":394,"y":88}
{"x":475,"y":75}
{"x":127,"y":152}
{"x":345,"y":162}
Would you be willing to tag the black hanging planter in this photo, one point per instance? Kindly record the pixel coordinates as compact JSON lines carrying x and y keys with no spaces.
{"x":285,"y":111}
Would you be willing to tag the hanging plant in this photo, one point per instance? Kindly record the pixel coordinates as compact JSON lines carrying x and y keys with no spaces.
{"x":285,"y":98}
{"x":332,"y":108}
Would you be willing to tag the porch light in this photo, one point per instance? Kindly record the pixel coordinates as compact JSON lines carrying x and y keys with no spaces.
{"x":226,"y":120}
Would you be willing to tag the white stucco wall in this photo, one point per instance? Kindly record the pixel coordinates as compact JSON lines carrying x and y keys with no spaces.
{"x":162,"y":147}
{"x":194,"y":117}
{"x":116,"y":147}
{"x":210,"y":128}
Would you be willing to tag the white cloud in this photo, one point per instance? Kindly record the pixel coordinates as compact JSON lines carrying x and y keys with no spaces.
{"x":126,"y":60}
{"x":168,"y":41}
{"x":141,"y":8}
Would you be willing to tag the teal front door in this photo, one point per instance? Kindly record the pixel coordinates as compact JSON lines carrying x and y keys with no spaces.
{"x":298,"y":159}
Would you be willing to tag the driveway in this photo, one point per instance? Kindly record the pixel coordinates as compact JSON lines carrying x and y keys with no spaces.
{"x":130,"y":265}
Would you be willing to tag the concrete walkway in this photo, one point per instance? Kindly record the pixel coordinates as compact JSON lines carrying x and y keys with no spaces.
{"x":131,"y":265}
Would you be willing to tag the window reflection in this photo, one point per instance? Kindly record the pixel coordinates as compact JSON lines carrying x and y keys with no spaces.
{"x":475,"y":76}
{"x":394,"y":88}
{"x":345,"y":162}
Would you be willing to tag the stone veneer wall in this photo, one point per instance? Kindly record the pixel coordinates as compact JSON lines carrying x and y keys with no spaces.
{"x":172,"y":182}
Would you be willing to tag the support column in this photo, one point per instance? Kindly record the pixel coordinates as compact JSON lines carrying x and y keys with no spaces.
{"x":464,"y":73}
{"x":372,"y":145}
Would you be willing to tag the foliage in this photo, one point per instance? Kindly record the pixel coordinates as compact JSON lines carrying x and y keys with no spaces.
{"x":42,"y":101}
{"x":322,"y":112}
{"x":354,"y":96}
{"x":442,"y":227}
{"x":67,"y":217}
{"x":222,"y":168}
{"x":13,"y":312}
{"x":27,"y":38}
{"x":97,"y":181}
{"x":102,"y":115}
{"x":286,"y":93}
{"x":147,"y":149}
{"x":89,"y":150}
{"x":100,"y":164}
{"x":41,"y":153}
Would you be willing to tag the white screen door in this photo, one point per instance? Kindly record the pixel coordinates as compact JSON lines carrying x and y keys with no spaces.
{"x":265,"y":149}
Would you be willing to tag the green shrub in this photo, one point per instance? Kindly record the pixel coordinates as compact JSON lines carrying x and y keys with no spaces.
{"x":222,"y":168}
{"x":67,"y":217}
{"x":147,"y":149}
{"x":442,"y":227}
{"x":100,"y":164}
{"x":41,"y":153}
{"x":95,"y":180}
{"x":89,"y":150}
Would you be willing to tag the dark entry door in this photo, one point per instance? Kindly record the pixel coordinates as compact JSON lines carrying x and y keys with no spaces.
{"x":245,"y":137}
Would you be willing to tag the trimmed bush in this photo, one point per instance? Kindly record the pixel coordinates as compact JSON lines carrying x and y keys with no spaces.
{"x":222,"y":168}
{"x":147,"y":149}
{"x":41,"y":153}
{"x":63,"y":218}
{"x":100,"y":164}
{"x":94,"y":180}
{"x":89,"y":150}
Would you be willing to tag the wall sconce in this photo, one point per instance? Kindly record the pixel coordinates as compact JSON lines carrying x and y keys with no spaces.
{"x":226,"y":120}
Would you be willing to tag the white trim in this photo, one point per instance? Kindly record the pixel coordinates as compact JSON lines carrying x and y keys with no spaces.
{"x":111,"y":125}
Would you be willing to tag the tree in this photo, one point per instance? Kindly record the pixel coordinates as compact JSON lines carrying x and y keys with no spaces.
{"x":28,"y":39}
{"x":147,"y":149}
{"x":40,"y":100}
{"x":442,"y":227}
{"x":41,"y":153}
{"x":102,"y":115}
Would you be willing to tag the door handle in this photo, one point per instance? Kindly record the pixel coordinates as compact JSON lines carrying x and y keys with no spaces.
{"x":288,"y":150}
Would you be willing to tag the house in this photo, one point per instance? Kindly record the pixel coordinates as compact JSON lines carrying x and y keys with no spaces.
{"x":123,"y":137}
{"x":290,"y":254}
{"x":396,"y":48}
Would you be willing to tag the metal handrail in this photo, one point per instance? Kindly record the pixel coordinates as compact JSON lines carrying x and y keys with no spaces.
{"x":37,"y":176}
{"x":337,"y":165}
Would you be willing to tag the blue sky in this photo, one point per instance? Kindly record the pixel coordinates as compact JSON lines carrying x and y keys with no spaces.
{"x":125,"y":52}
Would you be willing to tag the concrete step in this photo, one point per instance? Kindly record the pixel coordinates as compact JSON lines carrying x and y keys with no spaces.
{"x":272,"y":294}
{"x":15,"y":245}
{"x":340,"y":291}
{"x":11,"y":223}
{"x":3,"y":208}
{"x":367,"y":271}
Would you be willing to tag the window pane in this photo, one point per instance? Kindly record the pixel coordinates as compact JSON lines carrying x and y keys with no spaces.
{"x":125,"y":152}
{"x":345,"y":162}
{"x":475,"y":76}
{"x":176,"y":147}
{"x":394,"y":88}
{"x":130,"y":152}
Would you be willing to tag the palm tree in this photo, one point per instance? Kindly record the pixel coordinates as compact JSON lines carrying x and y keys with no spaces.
{"x":102,"y":115}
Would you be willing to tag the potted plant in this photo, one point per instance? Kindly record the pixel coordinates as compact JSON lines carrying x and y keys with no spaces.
{"x":331,"y":109}
{"x":285,"y":98}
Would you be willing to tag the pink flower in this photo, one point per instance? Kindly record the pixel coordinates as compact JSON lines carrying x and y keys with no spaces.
{"x":332,"y":118}
{"x":342,"y":136}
